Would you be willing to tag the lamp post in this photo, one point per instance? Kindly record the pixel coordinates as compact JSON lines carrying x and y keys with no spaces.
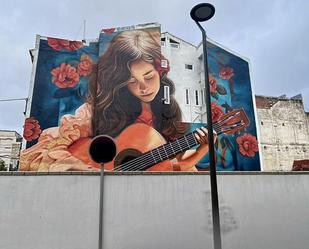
{"x":201,"y":13}
{"x":102,"y":150}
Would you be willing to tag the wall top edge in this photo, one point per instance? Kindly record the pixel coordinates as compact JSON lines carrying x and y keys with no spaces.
{"x":94,"y":173}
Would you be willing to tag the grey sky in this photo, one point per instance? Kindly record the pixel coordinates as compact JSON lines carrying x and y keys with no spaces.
{"x":273,"y":35}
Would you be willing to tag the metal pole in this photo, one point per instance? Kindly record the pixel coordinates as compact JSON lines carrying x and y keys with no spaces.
{"x":101,"y":207}
{"x":213,"y":174}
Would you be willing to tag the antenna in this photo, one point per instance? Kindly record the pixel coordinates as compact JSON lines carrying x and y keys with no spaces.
{"x":84,"y":34}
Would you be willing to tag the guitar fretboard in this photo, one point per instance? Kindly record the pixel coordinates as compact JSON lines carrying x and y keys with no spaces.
{"x":163,"y":152}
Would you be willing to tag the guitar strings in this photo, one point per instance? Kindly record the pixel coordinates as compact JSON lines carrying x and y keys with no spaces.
{"x":149,"y":159}
{"x":137,"y":166}
{"x":134,"y":164}
{"x":126,"y":166}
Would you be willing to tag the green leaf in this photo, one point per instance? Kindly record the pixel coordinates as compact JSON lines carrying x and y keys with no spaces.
{"x":221,"y":90}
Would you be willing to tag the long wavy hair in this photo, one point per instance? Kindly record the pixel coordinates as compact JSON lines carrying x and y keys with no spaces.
{"x":114,"y":107}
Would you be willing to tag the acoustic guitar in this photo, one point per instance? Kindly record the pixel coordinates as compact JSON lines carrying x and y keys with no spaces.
{"x":140,"y":147}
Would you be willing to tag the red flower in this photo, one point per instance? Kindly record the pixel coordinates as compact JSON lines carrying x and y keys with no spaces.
{"x":248,"y":145}
{"x":65,"y":76}
{"x":74,"y":45}
{"x":31,"y":129}
{"x":162,"y":66}
{"x":59,"y":44}
{"x":216,"y":111}
{"x":212,"y":84}
{"x":84,"y":68}
{"x":226,"y":73}
{"x":108,"y":31}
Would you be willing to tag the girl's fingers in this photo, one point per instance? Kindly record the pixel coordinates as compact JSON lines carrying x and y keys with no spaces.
{"x":200,"y":132}
{"x":197,"y":137}
{"x":205,"y":130}
{"x":201,"y":135}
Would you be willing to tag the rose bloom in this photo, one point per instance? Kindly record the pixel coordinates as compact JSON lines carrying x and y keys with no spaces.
{"x":59,"y":44}
{"x":212,"y":84}
{"x":108,"y":31}
{"x":74,"y":45}
{"x":84,"y":68}
{"x":32,"y":129}
{"x":65,"y":76}
{"x":216,"y":111}
{"x":248,"y":145}
{"x":226,"y":73}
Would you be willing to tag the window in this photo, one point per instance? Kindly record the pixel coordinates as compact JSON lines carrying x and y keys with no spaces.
{"x":174,"y":44}
{"x":196,"y":97}
{"x":187,"y":96}
{"x":167,"y":99}
{"x":203,"y":96}
{"x":164,"y":63}
{"x":189,"y":66}
{"x":163,"y":42}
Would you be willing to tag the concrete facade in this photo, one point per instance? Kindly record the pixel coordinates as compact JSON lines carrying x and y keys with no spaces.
{"x":187,"y":73}
{"x":10,"y":145}
{"x":153,"y":211}
{"x":284,"y":131}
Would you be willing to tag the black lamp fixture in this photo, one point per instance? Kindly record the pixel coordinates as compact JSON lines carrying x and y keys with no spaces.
{"x":201,"y":13}
{"x":102,"y":150}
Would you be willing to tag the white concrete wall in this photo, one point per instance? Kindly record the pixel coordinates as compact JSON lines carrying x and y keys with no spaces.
{"x":10,"y":144}
{"x":284,"y":133}
{"x":154,"y":211}
{"x":184,"y":78}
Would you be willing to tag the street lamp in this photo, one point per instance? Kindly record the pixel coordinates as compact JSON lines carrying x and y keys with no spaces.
{"x":102,"y":150}
{"x":201,"y":13}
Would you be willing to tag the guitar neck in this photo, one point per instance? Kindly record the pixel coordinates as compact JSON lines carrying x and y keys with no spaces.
{"x":164,"y":152}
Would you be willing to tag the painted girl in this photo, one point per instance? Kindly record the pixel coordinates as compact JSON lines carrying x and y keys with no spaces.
{"x":126,"y":88}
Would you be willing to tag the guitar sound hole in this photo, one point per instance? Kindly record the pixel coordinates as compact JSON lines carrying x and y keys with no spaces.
{"x":127,"y":167}
{"x":122,"y":159}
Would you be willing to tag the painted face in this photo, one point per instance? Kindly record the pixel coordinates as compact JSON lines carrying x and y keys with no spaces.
{"x":144,"y":82}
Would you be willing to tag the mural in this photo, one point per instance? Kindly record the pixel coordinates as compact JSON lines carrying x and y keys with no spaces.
{"x":117,"y":86}
{"x":230,"y":89}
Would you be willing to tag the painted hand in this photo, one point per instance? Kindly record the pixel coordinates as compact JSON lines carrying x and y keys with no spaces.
{"x":187,"y":160}
{"x":202,"y":136}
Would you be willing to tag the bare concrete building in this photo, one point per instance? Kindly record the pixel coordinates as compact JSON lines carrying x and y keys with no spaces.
{"x":10,"y":144}
{"x":284,"y":131}
{"x":187,"y":73}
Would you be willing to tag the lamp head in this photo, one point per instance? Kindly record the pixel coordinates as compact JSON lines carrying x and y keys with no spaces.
{"x":202,"y":12}
{"x":102,"y":149}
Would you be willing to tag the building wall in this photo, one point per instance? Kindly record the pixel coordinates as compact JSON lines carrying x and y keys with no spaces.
{"x":10,"y":144}
{"x":284,"y":132}
{"x":153,"y":211}
{"x":182,"y":77}
{"x":230,"y":89}
{"x":283,"y":123}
